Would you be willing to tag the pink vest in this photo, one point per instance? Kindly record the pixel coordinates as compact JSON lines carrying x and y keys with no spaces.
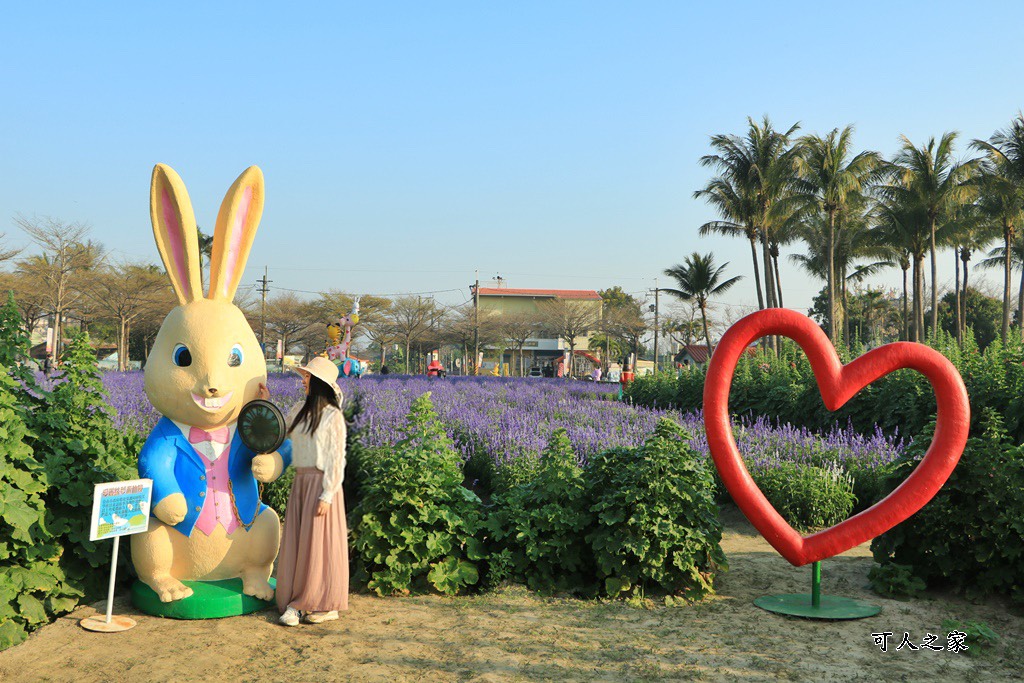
{"x":217,"y":506}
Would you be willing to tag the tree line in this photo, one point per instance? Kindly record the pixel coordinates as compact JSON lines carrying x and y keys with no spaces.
{"x":857,"y":213}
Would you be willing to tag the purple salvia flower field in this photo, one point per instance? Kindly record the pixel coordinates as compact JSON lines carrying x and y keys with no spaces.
{"x":506,"y":419}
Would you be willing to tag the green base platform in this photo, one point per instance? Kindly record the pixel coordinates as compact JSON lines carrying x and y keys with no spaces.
{"x":828,"y":607}
{"x":209,"y":600}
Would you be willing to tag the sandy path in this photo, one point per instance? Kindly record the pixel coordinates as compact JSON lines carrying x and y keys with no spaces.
{"x":516,"y":636}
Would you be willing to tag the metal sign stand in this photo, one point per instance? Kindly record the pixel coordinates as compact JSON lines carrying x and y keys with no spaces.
{"x":111,"y":624}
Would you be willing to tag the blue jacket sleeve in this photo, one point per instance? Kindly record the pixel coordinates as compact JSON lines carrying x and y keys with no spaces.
{"x":156,"y":462}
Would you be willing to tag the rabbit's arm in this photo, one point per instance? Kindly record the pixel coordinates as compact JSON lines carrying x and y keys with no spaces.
{"x":270,"y":466}
{"x":333,"y":456}
{"x":156,"y":462}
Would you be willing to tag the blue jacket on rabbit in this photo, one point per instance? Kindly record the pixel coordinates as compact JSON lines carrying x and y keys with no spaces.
{"x":172,"y":463}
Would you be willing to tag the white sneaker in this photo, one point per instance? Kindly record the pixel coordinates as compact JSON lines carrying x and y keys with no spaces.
{"x":290,"y":617}
{"x":321,"y":617}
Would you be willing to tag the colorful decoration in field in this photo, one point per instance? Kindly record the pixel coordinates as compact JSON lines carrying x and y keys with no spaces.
{"x":838,"y":383}
{"x":338,"y":348}
{"x":206,"y":363}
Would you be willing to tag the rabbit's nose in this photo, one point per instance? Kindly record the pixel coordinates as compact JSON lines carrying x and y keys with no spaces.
{"x":211,"y":391}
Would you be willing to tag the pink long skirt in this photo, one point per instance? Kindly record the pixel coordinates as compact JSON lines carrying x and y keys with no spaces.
{"x":312,"y":569}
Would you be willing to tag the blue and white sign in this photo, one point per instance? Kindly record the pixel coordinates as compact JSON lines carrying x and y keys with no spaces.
{"x":120,"y":508}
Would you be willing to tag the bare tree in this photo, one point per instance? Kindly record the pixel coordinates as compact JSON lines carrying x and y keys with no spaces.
{"x":516,"y":328}
{"x":569,"y":319}
{"x":288,"y":316}
{"x":125,"y":292}
{"x":629,"y":325}
{"x":410,"y":319}
{"x":7,"y":254}
{"x":28,"y":297}
{"x":66,"y":253}
{"x":461,"y":329}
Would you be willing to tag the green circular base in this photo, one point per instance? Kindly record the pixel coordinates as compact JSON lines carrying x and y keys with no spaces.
{"x":209,"y":600}
{"x":830,"y":607}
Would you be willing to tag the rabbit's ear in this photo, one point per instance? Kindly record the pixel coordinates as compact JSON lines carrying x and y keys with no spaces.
{"x":236,"y":227}
{"x":174,"y":226}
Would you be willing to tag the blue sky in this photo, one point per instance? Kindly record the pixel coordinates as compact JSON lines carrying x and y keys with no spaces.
{"x":406,"y":145}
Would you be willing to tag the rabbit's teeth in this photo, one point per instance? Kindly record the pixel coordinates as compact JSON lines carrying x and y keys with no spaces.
{"x":215,"y":403}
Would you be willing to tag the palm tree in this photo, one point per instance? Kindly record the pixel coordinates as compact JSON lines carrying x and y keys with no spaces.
{"x":901,"y":229}
{"x":729,"y":197}
{"x":1002,"y":193}
{"x":938,"y":184}
{"x":828,"y":177}
{"x":698,"y":280}
{"x":850,"y":240}
{"x":758,"y":171}
{"x":997,"y":259}
{"x":969,"y":231}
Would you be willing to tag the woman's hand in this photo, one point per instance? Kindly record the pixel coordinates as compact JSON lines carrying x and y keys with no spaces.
{"x":322,"y":508}
{"x":263,"y":393}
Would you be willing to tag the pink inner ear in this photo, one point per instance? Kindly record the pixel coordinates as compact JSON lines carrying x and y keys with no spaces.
{"x":175,"y":242}
{"x":234,"y":243}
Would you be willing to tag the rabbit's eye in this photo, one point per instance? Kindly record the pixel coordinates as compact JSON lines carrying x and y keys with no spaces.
{"x":182,"y":356}
{"x":236,"y":356}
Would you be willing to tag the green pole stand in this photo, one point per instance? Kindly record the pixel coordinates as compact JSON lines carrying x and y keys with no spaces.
{"x":209,"y":600}
{"x":816,"y":605}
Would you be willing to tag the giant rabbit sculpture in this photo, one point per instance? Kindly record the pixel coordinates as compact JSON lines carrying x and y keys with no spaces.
{"x":206,"y":363}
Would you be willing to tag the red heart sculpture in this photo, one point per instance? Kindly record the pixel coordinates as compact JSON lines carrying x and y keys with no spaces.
{"x":837,"y":383}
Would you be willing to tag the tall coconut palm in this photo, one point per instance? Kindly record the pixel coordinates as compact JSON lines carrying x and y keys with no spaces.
{"x":759,"y":170}
{"x":997,"y":259}
{"x":697,"y":279}
{"x":901,"y":229}
{"x":969,"y":231}
{"x":939,"y":184}
{"x":850,"y":240}
{"x":1002,"y":193}
{"x":734,"y":204}
{"x":829,"y":173}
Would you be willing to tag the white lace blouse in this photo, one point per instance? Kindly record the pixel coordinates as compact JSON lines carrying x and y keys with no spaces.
{"x":324,"y":450}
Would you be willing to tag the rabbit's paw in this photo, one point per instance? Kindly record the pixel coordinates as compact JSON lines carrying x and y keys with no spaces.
{"x":169,"y":589}
{"x":267,"y":467}
{"x":172,"y":509}
{"x":256,"y":585}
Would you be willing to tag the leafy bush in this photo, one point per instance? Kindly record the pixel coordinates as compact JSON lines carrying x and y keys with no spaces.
{"x":542,"y":522}
{"x":807,"y":496}
{"x":415,"y":525}
{"x":895,"y":581}
{"x":29,"y":575}
{"x":784,"y":388}
{"x":656,"y":523}
{"x":971,"y":535}
{"x":980,"y":635}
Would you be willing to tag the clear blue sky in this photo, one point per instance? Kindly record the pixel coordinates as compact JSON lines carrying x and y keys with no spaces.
{"x":407,"y":144}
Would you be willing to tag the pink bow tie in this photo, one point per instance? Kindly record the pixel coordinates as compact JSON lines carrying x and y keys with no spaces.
{"x":196,"y":435}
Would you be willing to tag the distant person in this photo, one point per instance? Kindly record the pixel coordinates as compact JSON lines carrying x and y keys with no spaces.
{"x":47,"y":365}
{"x":596,"y":374}
{"x":384,"y":370}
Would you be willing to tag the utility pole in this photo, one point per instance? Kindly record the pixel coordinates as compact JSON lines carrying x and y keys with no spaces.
{"x":476,"y":322}
{"x":263,"y":282}
{"x":656,"y":290}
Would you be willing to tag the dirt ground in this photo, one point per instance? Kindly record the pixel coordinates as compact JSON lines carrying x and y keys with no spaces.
{"x":514,"y":635}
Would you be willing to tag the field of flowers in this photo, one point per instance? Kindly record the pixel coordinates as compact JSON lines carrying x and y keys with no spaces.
{"x":504,"y":419}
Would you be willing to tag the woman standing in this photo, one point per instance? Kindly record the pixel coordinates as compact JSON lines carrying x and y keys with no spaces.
{"x":312,"y":569}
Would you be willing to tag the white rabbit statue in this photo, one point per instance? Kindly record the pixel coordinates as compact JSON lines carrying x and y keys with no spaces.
{"x":206,"y":363}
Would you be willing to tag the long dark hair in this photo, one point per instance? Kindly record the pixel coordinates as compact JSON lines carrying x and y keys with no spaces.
{"x":320,"y":396}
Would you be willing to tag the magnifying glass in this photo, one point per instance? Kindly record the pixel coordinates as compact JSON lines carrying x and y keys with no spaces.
{"x":261,"y":426}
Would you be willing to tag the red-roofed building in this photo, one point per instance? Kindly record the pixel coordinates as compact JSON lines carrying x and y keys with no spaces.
{"x":545,"y":349}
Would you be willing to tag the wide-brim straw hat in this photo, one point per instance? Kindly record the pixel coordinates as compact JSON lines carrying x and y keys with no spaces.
{"x":324,"y":370}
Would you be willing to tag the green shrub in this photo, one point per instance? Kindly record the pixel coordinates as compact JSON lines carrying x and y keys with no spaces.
{"x":807,"y":496}
{"x":895,"y":581}
{"x":970,"y":536}
{"x":656,"y":523}
{"x":30,"y":579}
{"x":542,"y":522}
{"x":415,"y":525}
{"x":979,"y":635}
